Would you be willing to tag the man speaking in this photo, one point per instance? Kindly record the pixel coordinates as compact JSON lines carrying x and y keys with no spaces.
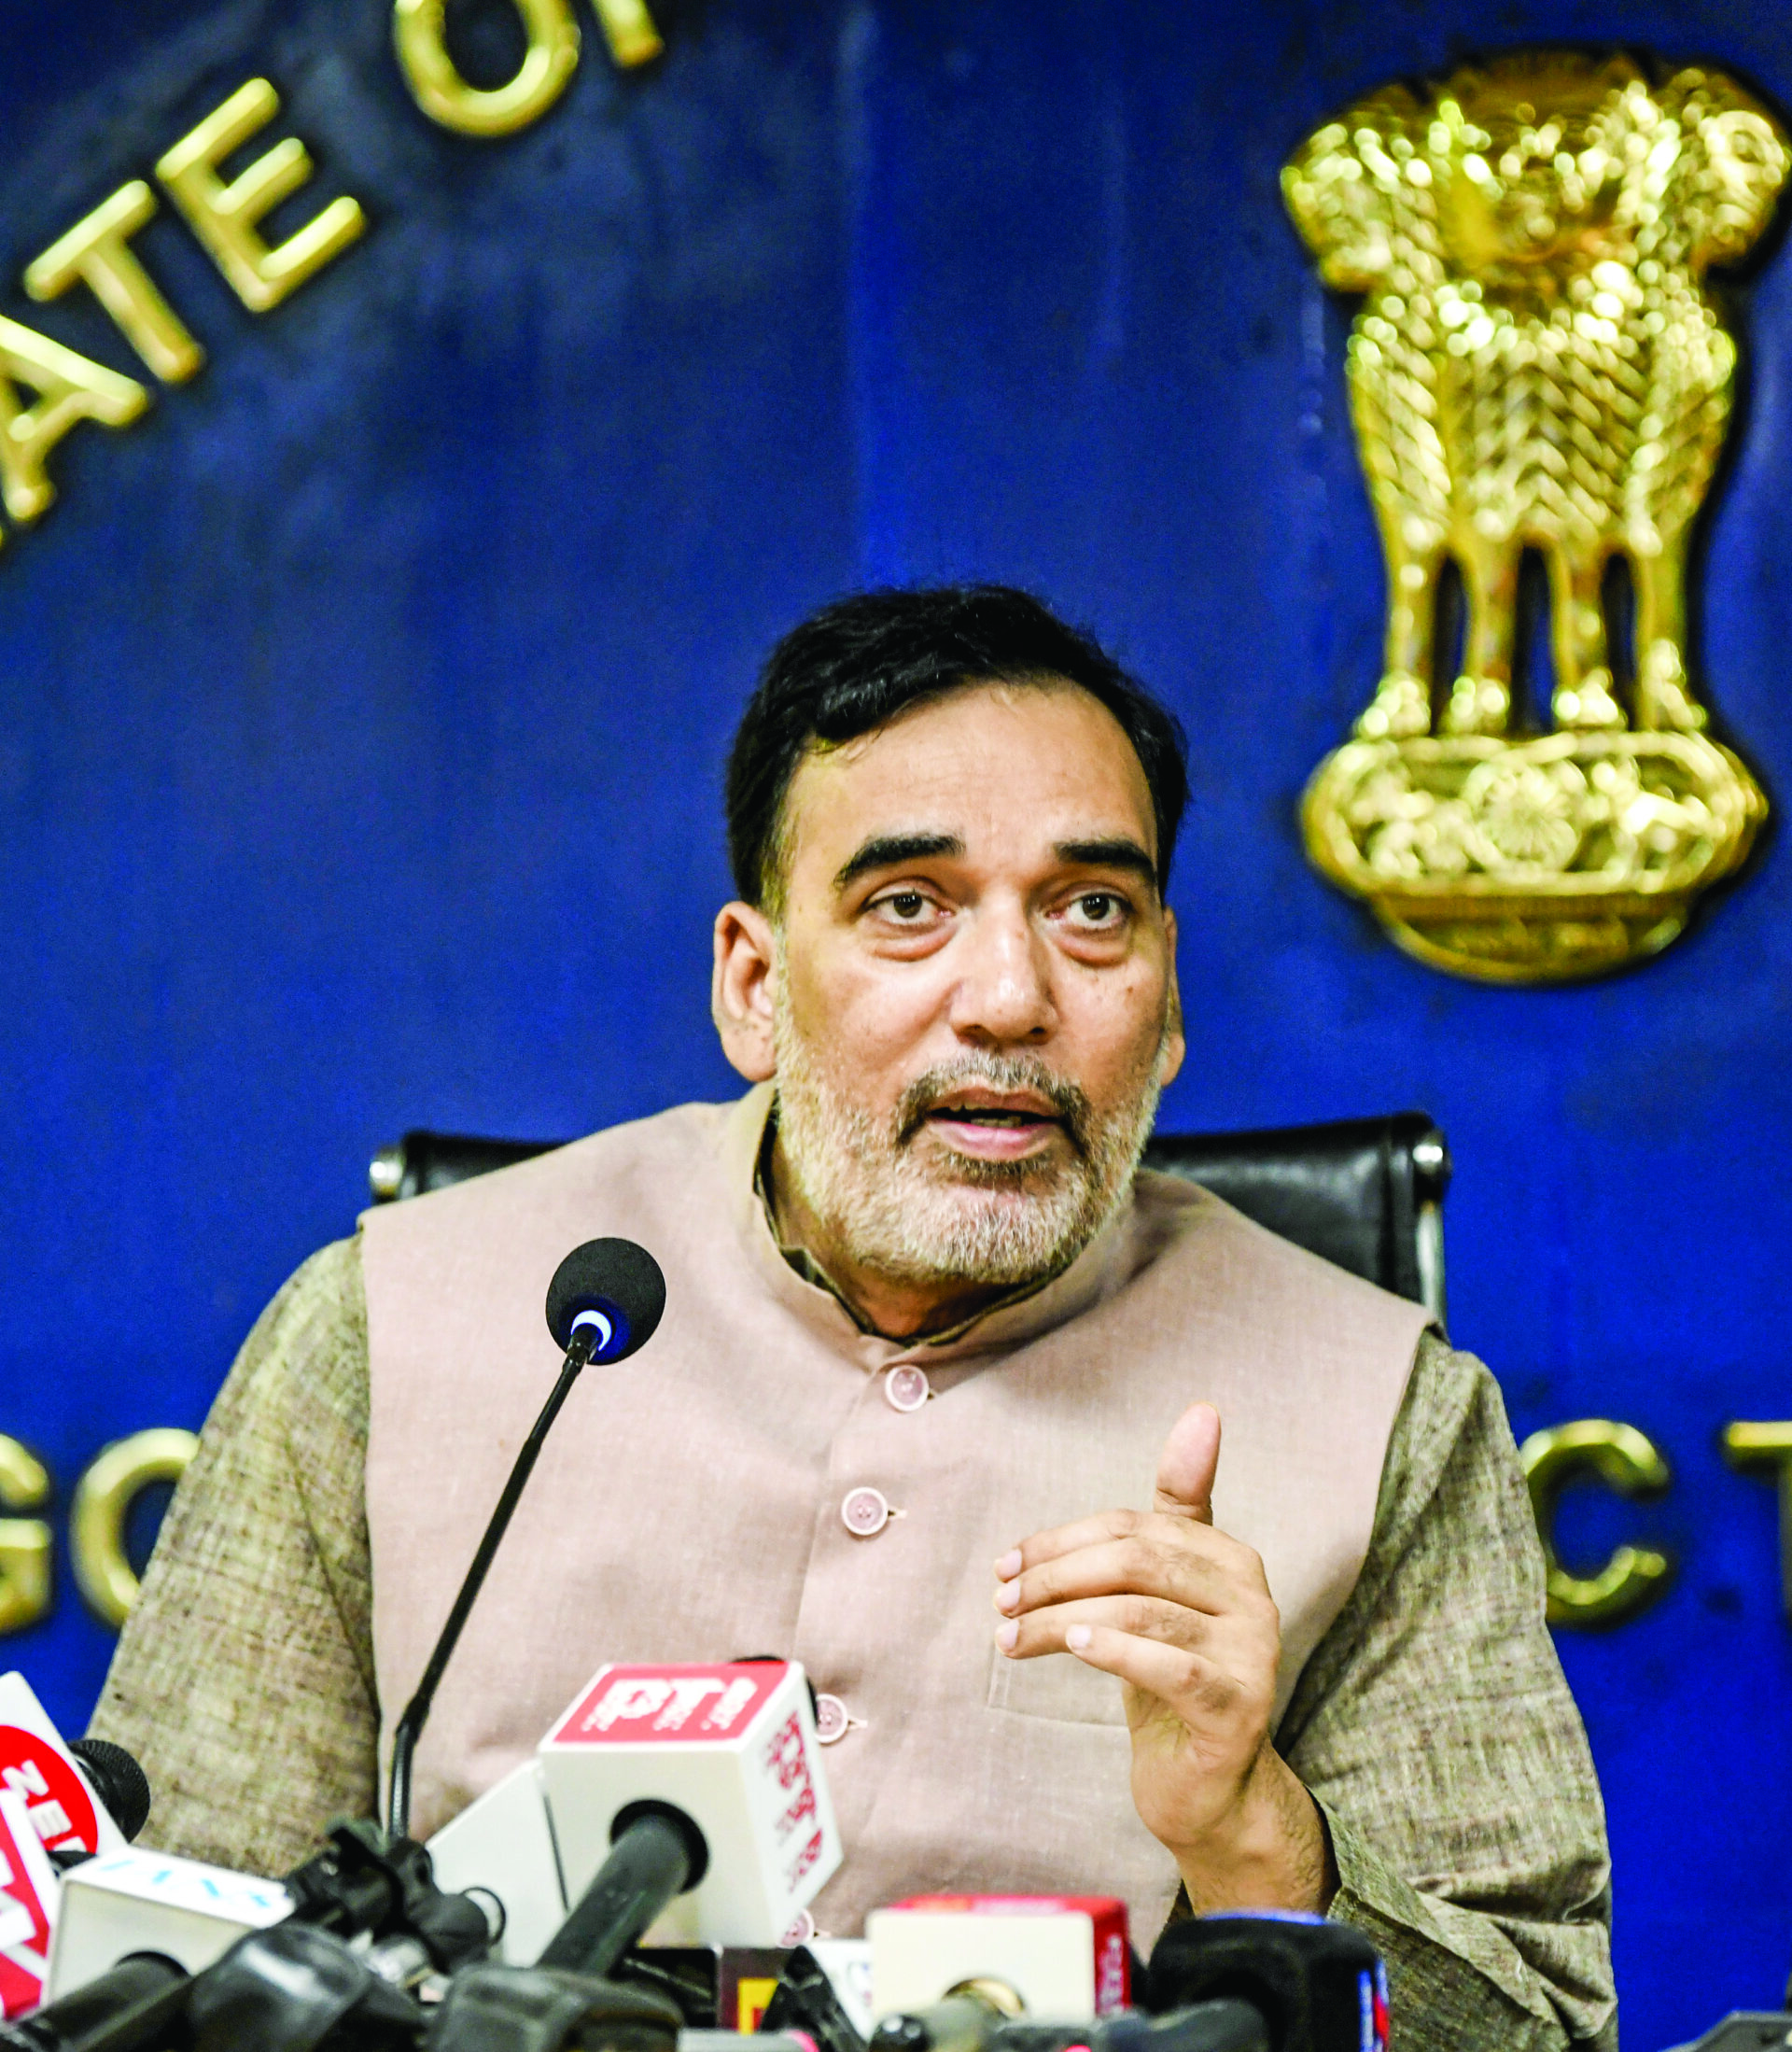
{"x":1133,"y":1548}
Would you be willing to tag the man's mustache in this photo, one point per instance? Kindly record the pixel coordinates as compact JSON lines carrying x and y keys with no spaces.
{"x":1006,"y":1073}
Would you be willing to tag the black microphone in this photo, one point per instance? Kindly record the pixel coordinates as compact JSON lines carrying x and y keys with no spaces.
{"x":366,"y":1920}
{"x":1204,"y":2027}
{"x":979,"y":2016}
{"x":494,"y":2009}
{"x":140,"y":2002}
{"x":604,"y":1303}
{"x":806,"y":2002}
{"x":122,"y":1785}
{"x":612,"y":1288}
{"x":656,"y":1853}
{"x":964,"y":2020}
{"x":1320,"y":1987}
{"x":117,"y":1780}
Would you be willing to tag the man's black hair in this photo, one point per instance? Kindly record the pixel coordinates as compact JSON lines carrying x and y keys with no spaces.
{"x":854,"y":665}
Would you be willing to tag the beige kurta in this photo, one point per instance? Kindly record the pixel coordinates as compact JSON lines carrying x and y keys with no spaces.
{"x":688,"y":1506}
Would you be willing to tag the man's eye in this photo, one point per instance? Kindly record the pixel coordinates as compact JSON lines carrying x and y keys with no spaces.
{"x":905,"y":906}
{"x":1098,"y":909}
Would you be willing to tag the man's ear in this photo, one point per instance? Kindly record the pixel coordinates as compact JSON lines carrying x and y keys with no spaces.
{"x":1175,"y":1045}
{"x":740,"y":995}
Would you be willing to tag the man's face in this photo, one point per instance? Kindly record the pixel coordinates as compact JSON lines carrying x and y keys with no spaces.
{"x":973,"y":992}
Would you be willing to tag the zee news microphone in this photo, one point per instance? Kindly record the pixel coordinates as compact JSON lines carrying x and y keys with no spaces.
{"x":605,"y":1302}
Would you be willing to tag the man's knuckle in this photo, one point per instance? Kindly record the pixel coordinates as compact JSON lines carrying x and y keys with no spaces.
{"x":1139,"y":1615}
{"x":1137,"y":1557}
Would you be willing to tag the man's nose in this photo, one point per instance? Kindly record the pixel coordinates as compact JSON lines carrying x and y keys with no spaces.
{"x":1003,"y":992}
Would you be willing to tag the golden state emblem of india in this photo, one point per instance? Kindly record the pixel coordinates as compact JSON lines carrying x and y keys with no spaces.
{"x":1537,"y":366}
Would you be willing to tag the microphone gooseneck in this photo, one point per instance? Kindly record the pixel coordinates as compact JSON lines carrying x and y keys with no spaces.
{"x":604,"y":1303}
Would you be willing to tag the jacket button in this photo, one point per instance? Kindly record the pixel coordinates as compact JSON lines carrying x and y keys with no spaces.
{"x":907,"y":1388}
{"x":866,"y":1513}
{"x":831,"y":1719}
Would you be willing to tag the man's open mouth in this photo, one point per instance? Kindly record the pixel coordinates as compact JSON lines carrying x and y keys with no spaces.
{"x":988,"y":1115}
{"x":997,"y":1125}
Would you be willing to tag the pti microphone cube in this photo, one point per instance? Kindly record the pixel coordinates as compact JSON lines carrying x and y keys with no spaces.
{"x":1065,"y":1956}
{"x":733,"y":1745}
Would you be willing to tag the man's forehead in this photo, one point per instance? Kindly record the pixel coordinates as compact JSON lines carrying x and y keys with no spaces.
{"x":1038,"y":763}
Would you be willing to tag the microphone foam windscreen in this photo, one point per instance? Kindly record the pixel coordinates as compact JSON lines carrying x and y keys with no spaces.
{"x":617,"y":1279}
{"x":1320,"y":1985}
{"x":117,"y":1780}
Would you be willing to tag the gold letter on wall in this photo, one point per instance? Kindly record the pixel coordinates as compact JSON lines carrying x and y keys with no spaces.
{"x":1749,"y":1444}
{"x":69,"y":389}
{"x":445,"y":96}
{"x":224,"y":216}
{"x":103,"y":1502}
{"x":633,"y":38}
{"x":99,"y":250}
{"x":1627,"y":1461}
{"x":24,"y":1543}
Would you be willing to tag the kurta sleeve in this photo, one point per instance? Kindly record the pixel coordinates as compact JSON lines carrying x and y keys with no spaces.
{"x":1436,"y":1731}
{"x":244,"y":1680}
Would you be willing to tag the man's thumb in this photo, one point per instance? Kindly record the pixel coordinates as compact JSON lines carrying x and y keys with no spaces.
{"x":1185,"y":1468}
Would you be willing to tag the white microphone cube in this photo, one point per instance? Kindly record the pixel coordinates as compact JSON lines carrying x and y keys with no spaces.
{"x":504,"y":1843}
{"x":134,"y":1901}
{"x":733,"y":1745}
{"x":1065,"y":1956}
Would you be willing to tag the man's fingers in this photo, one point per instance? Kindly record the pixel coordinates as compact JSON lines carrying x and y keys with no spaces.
{"x":1142,"y":1617}
{"x":1090,"y":1531}
{"x":1192,"y":1685}
{"x":1068,"y":1539}
{"x":1186,"y":1467}
{"x":1173,"y":1560}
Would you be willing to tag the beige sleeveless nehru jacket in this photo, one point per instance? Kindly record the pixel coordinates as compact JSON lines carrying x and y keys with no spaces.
{"x":689,"y":1504}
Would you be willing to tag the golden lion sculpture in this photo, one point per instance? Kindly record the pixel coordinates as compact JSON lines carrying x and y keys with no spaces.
{"x":1536,"y":365}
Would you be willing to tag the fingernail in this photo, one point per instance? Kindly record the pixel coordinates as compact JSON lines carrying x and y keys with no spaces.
{"x":1008,"y":1567}
{"x":1006,"y":1633}
{"x":1008,"y":1597}
{"x":1077,"y":1639}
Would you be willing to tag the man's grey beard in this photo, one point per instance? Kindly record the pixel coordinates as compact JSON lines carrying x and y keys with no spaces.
{"x":950,"y":1218}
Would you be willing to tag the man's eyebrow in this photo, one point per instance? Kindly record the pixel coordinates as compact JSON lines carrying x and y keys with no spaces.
{"x":1120,"y":851}
{"x":887,"y":851}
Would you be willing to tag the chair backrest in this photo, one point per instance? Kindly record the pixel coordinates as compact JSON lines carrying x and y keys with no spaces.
{"x":1366,"y":1193}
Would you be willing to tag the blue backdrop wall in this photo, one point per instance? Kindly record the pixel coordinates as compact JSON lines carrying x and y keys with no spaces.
{"x":365,"y":706}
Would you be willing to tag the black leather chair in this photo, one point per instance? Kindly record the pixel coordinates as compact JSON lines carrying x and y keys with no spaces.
{"x":1366,"y":1193}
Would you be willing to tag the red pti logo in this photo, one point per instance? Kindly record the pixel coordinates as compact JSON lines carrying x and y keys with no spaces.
{"x":24,"y":1926}
{"x":635,"y":1706}
{"x":55,"y":1795}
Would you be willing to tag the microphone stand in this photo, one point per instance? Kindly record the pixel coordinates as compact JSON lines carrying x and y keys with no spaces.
{"x":585,"y":1340}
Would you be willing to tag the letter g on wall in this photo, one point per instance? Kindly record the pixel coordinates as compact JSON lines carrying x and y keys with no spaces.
{"x":97,"y":1519}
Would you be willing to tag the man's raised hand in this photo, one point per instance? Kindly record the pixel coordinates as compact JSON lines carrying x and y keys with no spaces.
{"x":1181,"y":1616}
